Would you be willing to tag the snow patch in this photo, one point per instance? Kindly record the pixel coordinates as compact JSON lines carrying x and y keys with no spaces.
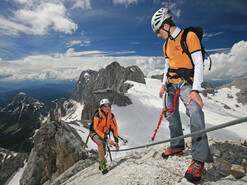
{"x":74,"y":113}
{"x":15,"y":178}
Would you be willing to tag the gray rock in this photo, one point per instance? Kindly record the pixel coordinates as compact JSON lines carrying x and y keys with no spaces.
{"x":125,"y":87}
{"x":112,"y":77}
{"x":148,"y":167}
{"x":242,"y":85}
{"x":77,"y":167}
{"x":34,"y":172}
{"x":207,"y":85}
{"x":159,"y":77}
{"x":9,"y":163}
{"x":57,"y":147}
{"x":94,"y":99}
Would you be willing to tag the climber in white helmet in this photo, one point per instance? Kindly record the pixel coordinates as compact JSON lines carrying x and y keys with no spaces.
{"x":103,"y":122}
{"x":184,"y":72}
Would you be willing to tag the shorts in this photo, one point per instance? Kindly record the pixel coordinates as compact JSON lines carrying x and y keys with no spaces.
{"x":96,"y":138}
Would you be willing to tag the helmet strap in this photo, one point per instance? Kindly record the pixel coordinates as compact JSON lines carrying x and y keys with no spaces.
{"x":168,"y":31}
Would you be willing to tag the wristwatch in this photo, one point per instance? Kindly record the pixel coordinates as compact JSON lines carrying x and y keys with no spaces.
{"x":195,"y":91}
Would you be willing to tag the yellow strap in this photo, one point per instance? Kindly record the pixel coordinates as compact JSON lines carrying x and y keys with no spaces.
{"x":168,"y":80}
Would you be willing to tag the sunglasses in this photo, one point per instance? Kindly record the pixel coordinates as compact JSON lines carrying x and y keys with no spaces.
{"x":158,"y":31}
{"x":106,"y":106}
{"x":161,"y":28}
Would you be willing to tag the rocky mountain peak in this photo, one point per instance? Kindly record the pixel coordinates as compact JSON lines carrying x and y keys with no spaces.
{"x":18,"y":120}
{"x":109,"y":83}
{"x":21,"y":102}
{"x":23,"y":97}
{"x":112,"y":77}
{"x":87,"y":75}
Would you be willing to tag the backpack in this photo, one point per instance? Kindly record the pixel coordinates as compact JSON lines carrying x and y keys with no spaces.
{"x":187,"y":73}
{"x":199,"y":32}
{"x":100,"y":118}
{"x":91,"y":125}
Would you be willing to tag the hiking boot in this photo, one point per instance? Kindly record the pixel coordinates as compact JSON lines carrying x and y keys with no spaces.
{"x":171,"y":152}
{"x":194,"y":172}
{"x":103,"y":167}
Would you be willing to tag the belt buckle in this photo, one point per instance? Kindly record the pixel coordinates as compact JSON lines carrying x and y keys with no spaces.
{"x":169,"y":80}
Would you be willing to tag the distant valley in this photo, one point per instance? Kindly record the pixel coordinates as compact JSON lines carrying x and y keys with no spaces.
{"x":41,"y":90}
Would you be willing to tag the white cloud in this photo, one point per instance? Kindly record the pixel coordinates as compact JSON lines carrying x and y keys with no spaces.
{"x":73,"y":43}
{"x":219,"y":50}
{"x":70,"y":64}
{"x":123,"y":52}
{"x":8,"y":27}
{"x":83,"y":4}
{"x":44,"y":17}
{"x":78,"y":42}
{"x":8,"y":70}
{"x":172,"y":5}
{"x":125,"y":2}
{"x":212,"y":34}
{"x":72,"y":53}
{"x":38,"y":17}
{"x":85,"y":43}
{"x":231,"y":65}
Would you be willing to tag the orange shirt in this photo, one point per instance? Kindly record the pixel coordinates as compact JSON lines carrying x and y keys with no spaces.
{"x":177,"y":59}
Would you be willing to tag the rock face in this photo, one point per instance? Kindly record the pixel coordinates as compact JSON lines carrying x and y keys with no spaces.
{"x":107,"y":83}
{"x":94,"y":99}
{"x":207,"y":85}
{"x":159,"y":77}
{"x":9,"y":163}
{"x":62,"y":103}
{"x":242,"y":85}
{"x":112,"y":78}
{"x":148,"y":167}
{"x":57,"y":146}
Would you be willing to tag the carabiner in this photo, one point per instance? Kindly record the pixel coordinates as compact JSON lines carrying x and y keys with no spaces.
{"x":183,"y":80}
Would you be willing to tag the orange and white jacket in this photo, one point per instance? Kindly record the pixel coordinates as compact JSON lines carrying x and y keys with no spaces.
{"x":103,"y":122}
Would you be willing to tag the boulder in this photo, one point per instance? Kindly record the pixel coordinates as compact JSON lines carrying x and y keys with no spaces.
{"x":57,"y":147}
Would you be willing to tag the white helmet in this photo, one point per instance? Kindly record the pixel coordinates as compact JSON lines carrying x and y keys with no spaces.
{"x":103,"y":101}
{"x":159,"y":17}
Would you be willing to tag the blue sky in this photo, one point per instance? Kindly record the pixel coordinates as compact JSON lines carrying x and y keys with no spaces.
{"x":47,"y":39}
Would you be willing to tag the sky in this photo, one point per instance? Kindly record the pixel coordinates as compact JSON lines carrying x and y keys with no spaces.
{"x":58,"y":39}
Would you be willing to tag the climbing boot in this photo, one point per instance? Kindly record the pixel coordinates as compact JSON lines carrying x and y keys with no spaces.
{"x":194,"y":172}
{"x":103,"y":167}
{"x":171,"y":152}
